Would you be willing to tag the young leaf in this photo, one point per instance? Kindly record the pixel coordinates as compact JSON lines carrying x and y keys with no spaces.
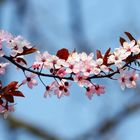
{"x":63,"y":54}
{"x":129,"y":36}
{"x":122,"y":40}
{"x":9,"y":98}
{"x":27,"y":51}
{"x":17,"y":93}
{"x":98,"y":54}
{"x":11,"y":86}
{"x":19,"y":60}
{"x":106,"y":56}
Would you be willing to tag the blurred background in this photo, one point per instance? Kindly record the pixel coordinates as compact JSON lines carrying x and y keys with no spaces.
{"x":86,"y":25}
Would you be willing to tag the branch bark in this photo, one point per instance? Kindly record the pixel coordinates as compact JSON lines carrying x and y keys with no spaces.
{"x":19,"y":124}
{"x":108,"y":125}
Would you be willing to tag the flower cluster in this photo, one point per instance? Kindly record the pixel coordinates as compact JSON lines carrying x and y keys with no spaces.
{"x":66,"y":66}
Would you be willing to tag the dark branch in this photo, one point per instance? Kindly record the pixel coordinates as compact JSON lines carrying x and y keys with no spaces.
{"x":19,"y":124}
{"x":108,"y":125}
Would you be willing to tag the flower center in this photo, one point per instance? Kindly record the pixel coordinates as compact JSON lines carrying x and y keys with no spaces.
{"x":16,"y":47}
{"x":28,"y":79}
{"x":131,"y":79}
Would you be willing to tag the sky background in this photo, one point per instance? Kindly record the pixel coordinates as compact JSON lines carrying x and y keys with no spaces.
{"x":49,"y":24}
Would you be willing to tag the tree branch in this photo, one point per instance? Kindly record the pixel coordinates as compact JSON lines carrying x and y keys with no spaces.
{"x":108,"y":125}
{"x":19,"y":124}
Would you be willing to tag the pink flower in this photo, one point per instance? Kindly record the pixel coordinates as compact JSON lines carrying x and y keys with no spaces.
{"x":130,"y":47}
{"x":90,"y":90}
{"x":43,"y":59}
{"x":132,"y":78}
{"x":123,"y":79}
{"x":5,"y":36}
{"x":128,"y":79}
{"x":98,"y":66}
{"x":81,"y":80}
{"x":61,"y":90}
{"x":30,"y":81}
{"x":73,"y":67}
{"x":49,"y":89}
{"x":36,"y":65}
{"x":94,"y":89}
{"x":99,"y":89}
{"x":2,"y":67}
{"x":17,"y":44}
{"x":61,"y":72}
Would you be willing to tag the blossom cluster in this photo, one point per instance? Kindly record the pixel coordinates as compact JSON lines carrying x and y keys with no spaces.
{"x":65,"y":66}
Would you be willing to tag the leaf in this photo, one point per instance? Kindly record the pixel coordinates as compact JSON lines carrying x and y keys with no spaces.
{"x":9,"y":98}
{"x":19,"y":60}
{"x":138,"y":56}
{"x":106,"y":56}
{"x":129,"y":36}
{"x":27,"y":51}
{"x":17,"y":93}
{"x":98,"y":54}
{"x":11,"y":86}
{"x":63,"y":54}
{"x":122,"y":40}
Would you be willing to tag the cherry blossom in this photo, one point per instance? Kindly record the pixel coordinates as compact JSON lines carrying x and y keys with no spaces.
{"x":61,"y":72}
{"x":123,"y":79}
{"x":17,"y":45}
{"x":36,"y":65}
{"x":65,"y":66}
{"x":99,"y":89}
{"x":30,"y":81}
{"x":99,"y":66}
{"x":5,"y":36}
{"x":81,"y":80}
{"x":50,"y":88}
{"x":128,"y":79}
{"x":90,"y":90}
{"x":130,"y":47}
{"x":61,"y":90}
{"x":2,"y":67}
{"x":132,"y":79}
{"x":43,"y":59}
{"x":117,"y":57}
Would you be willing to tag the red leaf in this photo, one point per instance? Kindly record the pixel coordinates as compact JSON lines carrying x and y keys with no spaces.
{"x":138,"y":56}
{"x":63,"y":54}
{"x":19,"y":60}
{"x":98,"y":54}
{"x":106,"y":56}
{"x":9,"y":98}
{"x":27,"y":51}
{"x":122,"y":40}
{"x":129,"y":36}
{"x":11,"y":86}
{"x":17,"y":93}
